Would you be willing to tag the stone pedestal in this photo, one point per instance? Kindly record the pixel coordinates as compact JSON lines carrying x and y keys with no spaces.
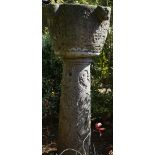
{"x":78,"y":33}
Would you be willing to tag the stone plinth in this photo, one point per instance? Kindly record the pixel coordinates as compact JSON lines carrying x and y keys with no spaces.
{"x":78,"y":33}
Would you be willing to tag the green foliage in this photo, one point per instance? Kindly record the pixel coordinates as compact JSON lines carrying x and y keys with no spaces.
{"x":101,"y":104}
{"x":102,"y":80}
{"x":51,"y":77}
{"x":102,"y":66}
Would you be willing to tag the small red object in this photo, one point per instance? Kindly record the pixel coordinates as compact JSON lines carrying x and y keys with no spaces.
{"x":99,"y":129}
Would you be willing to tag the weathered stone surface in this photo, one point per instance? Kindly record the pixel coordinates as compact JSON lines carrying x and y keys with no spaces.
{"x":75,"y":107}
{"x":78,"y":32}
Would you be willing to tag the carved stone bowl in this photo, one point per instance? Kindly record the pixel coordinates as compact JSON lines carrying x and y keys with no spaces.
{"x":77,"y":30}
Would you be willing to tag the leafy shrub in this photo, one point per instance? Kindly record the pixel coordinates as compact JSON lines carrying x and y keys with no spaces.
{"x":51,"y":78}
{"x":102,"y":80}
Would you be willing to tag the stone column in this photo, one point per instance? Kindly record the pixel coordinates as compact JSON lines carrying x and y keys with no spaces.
{"x":75,"y":108}
{"x":78,"y":33}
